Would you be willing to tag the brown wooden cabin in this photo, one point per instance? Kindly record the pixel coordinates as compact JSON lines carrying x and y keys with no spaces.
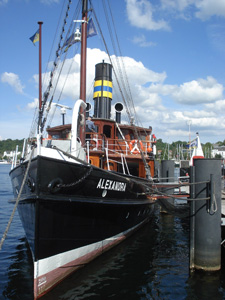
{"x":111,"y":147}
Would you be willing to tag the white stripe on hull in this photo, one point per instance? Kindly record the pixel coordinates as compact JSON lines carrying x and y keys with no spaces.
{"x":50,"y":271}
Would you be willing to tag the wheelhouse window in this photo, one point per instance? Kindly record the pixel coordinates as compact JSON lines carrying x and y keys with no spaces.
{"x":56,"y":136}
{"x":107,"y":131}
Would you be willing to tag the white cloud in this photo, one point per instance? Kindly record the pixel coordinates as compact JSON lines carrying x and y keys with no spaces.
{"x":48,"y":2}
{"x":69,"y":80}
{"x":169,"y":122}
{"x":208,"y":8}
{"x":186,"y":9}
{"x":141,"y":41}
{"x":191,"y":93}
{"x":198,"y":91}
{"x":216,"y":36}
{"x":155,"y":102}
{"x":139,"y":74}
{"x":140,"y":14}
{"x":171,"y":125}
{"x":203,"y":9}
{"x":199,"y":114}
{"x":2,"y":2}
{"x":162,"y":89}
{"x":179,"y":5}
{"x":218,"y":106}
{"x":33,"y":105}
{"x":13,"y":80}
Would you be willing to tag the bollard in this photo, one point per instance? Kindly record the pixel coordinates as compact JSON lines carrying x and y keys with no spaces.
{"x":206,"y":226}
{"x":192,"y":217}
{"x":167,"y":173}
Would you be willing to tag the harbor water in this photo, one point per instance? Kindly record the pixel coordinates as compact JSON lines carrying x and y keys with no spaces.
{"x":152,"y":264}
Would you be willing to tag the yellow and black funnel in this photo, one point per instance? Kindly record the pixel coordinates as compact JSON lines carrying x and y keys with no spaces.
{"x":103,"y":90}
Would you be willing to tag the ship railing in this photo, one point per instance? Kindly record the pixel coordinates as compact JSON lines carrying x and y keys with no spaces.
{"x":126,"y":146}
{"x":123,"y":161}
{"x":14,"y":161}
{"x":184,"y":188}
{"x":97,"y":142}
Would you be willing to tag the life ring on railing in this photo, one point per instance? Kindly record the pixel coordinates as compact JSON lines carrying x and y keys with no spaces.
{"x":133,"y":146}
{"x":95,"y":140}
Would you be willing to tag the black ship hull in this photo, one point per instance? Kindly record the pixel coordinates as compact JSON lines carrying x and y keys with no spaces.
{"x":72,"y":212}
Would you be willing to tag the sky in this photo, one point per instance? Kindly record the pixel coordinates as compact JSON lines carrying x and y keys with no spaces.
{"x":173,"y":52}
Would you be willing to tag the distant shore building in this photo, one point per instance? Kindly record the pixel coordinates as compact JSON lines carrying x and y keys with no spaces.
{"x":218,"y":150}
{"x":10,"y":154}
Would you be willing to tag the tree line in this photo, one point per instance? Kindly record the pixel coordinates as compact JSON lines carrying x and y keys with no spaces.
{"x":10,"y":145}
{"x":179,"y":148}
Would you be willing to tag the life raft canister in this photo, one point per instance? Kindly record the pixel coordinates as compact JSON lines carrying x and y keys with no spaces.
{"x":133,"y":146}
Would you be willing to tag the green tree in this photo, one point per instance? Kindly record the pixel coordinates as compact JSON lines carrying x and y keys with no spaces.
{"x":10,"y":145}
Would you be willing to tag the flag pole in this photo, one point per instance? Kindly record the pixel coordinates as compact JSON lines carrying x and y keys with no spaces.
{"x":40,"y":77}
{"x":39,"y":138}
{"x":83,"y":60}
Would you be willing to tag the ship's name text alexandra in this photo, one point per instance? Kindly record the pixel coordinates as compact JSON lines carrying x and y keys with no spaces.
{"x":111,"y":185}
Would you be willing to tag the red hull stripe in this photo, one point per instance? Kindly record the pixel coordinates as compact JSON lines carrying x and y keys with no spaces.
{"x":45,"y":282}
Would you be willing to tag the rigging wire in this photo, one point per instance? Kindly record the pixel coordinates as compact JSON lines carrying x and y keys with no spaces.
{"x":67,"y":75}
{"x":57,"y":29}
{"x":110,"y":59}
{"x":60,"y":51}
{"x":120,"y":65}
{"x":46,"y":94}
{"x":129,"y":105}
{"x":126,"y":81}
{"x":121,"y":69}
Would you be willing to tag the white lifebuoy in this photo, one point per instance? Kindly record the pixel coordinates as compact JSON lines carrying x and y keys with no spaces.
{"x":95,"y":139}
{"x":133,"y":146}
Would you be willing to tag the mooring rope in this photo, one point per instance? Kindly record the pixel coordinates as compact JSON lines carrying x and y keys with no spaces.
{"x":17,"y":201}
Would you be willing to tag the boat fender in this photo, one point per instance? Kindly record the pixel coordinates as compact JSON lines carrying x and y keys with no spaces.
{"x":134,"y":147}
{"x":55,"y":185}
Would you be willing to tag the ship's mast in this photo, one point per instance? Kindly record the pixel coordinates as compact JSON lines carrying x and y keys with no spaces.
{"x":83,"y":62}
{"x":40,"y":90}
{"x":40,"y":62}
